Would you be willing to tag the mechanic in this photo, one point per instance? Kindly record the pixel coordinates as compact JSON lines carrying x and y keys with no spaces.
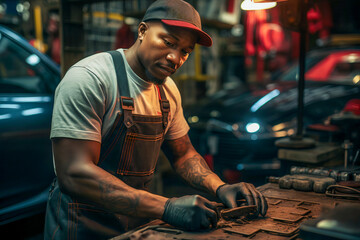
{"x":112,"y":113}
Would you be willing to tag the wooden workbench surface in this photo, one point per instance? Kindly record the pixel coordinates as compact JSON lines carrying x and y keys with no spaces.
{"x":288,"y":208}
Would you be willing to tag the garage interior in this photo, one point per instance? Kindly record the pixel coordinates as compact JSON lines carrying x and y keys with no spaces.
{"x":297,"y":142}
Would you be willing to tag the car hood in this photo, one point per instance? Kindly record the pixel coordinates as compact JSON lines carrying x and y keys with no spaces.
{"x":279,"y":102}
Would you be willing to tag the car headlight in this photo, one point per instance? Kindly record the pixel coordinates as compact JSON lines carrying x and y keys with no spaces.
{"x":255,"y":130}
{"x":252,"y":127}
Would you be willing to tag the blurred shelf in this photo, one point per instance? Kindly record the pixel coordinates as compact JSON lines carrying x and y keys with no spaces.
{"x":214,"y":23}
{"x":345,"y":39}
{"x":111,"y":16}
{"x":9,"y":20}
{"x":53,"y":5}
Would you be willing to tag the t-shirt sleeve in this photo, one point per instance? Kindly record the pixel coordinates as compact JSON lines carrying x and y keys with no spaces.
{"x":178,"y":125}
{"x":78,"y":106}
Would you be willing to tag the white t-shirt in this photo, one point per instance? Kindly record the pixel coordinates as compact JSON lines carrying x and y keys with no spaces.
{"x":87,"y":100}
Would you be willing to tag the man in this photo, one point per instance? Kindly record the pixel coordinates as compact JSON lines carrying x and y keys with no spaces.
{"x":112,"y":113}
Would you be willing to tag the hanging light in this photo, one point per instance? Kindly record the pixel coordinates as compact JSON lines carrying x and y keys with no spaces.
{"x":256,"y":5}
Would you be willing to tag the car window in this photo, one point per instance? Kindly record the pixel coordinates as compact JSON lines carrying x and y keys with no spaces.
{"x":292,"y":74}
{"x":20,"y":70}
{"x":346,"y":72}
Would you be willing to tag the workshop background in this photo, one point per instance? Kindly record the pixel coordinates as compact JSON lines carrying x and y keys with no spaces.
{"x":252,"y":116}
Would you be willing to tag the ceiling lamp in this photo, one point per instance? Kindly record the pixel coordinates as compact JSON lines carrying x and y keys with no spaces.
{"x":256,"y":5}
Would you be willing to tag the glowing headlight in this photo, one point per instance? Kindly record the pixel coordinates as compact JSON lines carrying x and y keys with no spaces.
{"x":32,"y":60}
{"x":252,"y":127}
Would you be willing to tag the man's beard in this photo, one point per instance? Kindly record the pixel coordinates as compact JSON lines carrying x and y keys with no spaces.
{"x":153,"y":79}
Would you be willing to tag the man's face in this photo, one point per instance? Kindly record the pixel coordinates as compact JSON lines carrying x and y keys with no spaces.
{"x":164,"y":49}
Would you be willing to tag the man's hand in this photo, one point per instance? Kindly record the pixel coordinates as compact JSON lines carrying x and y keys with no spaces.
{"x":190,"y":212}
{"x":229,"y":193}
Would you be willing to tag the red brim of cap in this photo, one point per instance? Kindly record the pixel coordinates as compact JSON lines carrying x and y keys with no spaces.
{"x":204,"y":38}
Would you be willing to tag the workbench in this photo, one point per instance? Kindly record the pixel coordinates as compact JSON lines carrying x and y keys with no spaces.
{"x":288,"y":209}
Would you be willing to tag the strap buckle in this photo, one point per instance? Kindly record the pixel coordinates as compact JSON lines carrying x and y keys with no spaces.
{"x":165,"y":105}
{"x":127,"y":103}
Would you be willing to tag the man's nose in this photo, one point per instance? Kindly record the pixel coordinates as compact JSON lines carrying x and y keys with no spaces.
{"x":175,"y":58}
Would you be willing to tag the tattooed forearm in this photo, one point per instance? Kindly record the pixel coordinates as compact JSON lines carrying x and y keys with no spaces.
{"x":194,"y":170}
{"x":122,"y":202}
{"x":188,"y":163}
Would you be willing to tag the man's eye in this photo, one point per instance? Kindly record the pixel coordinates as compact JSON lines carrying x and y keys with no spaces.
{"x":168,"y":43}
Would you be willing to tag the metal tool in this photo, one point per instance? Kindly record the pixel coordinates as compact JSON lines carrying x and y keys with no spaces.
{"x":303,"y":182}
{"x":338,"y":191}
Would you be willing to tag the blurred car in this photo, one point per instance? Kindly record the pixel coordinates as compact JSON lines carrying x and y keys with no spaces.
{"x":237,"y":128}
{"x":28,"y":80}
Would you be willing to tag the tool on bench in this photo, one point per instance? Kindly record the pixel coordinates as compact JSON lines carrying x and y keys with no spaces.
{"x":338,"y":175}
{"x":315,"y":179}
{"x":303,"y":182}
{"x":342,"y":191}
{"x":306,"y":183}
{"x":349,"y":122}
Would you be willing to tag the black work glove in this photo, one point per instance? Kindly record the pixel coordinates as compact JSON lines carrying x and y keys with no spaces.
{"x":230,"y":193}
{"x":190,"y":212}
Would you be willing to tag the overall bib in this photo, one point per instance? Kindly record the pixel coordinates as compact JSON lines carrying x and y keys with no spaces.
{"x":129,"y":151}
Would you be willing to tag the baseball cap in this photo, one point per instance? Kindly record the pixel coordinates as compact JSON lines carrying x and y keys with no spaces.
{"x":178,"y":13}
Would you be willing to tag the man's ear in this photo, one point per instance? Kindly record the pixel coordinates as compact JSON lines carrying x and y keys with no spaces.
{"x":143,"y":27}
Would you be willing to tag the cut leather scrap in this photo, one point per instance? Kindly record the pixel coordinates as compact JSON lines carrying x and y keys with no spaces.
{"x":237,"y":212}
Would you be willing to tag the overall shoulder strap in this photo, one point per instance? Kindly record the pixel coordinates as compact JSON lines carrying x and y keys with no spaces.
{"x":164,"y":105}
{"x":126,"y":102}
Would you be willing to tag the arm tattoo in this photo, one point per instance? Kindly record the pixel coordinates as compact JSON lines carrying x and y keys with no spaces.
{"x":121,"y":202}
{"x":194,"y":170}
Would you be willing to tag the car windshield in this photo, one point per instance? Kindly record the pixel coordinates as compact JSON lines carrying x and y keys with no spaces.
{"x":22,"y":71}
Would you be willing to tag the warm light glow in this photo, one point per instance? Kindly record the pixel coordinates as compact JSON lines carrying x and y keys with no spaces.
{"x":280,"y":134}
{"x":352,"y":58}
{"x":278,"y":127}
{"x":356,"y":79}
{"x":290,"y":132}
{"x":235,"y":127}
{"x":251,"y":5}
{"x":193,"y":119}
